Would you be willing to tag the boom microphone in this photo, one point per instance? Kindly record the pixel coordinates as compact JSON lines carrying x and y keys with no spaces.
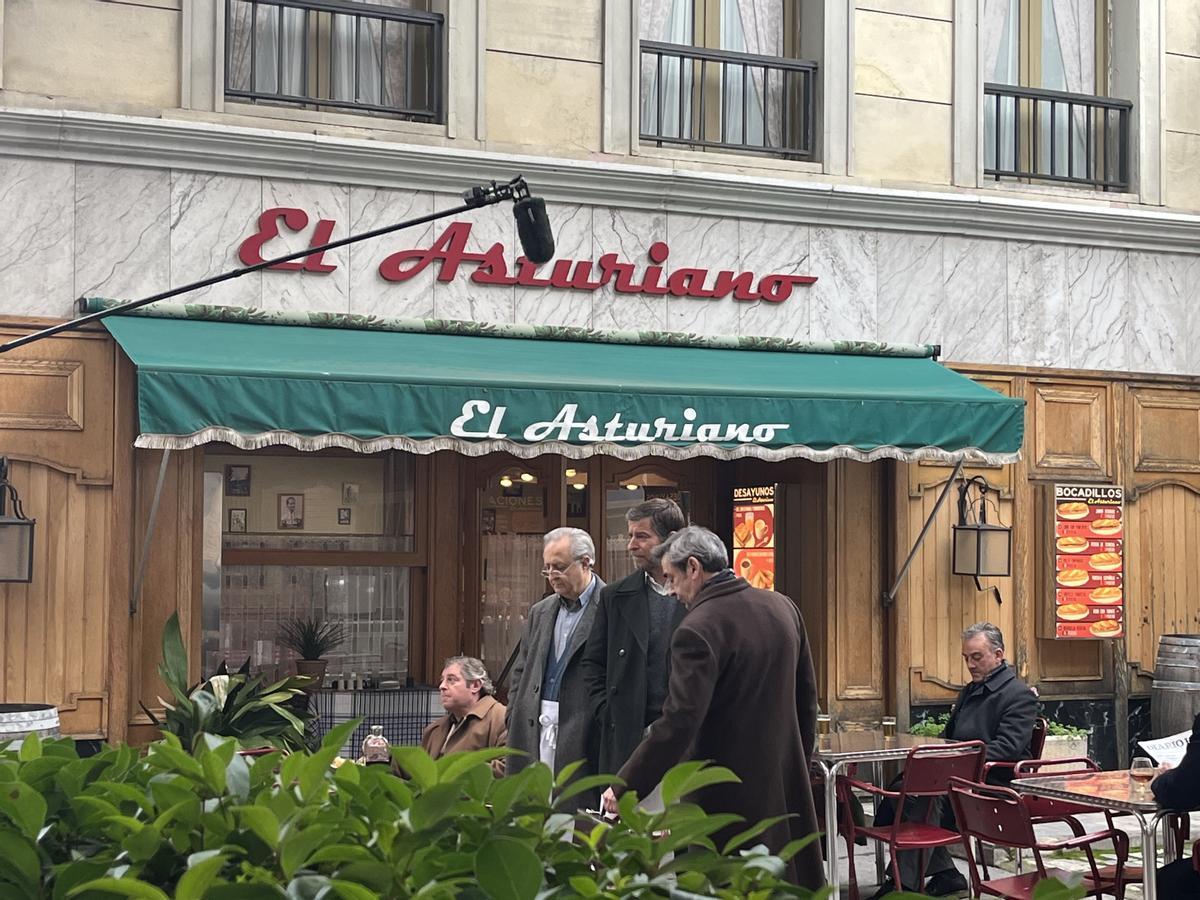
{"x":533,"y":229}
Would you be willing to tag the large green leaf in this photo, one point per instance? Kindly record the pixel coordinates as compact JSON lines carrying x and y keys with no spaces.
{"x":175,"y":660}
{"x":299,"y":844}
{"x":689,"y":777}
{"x":199,"y":878}
{"x":417,"y":764}
{"x":122,"y":887}
{"x":508,"y":870}
{"x":24,"y":806}
{"x":20,"y":855}
{"x":1053,"y":889}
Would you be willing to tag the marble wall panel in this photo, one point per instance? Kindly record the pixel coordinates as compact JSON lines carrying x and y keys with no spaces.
{"x":844,"y":299}
{"x":1099,"y":306}
{"x":324,"y":291}
{"x":370,"y":295}
{"x":37,"y":247}
{"x":211,"y":215}
{"x":973,"y":317}
{"x":767,"y":248}
{"x":911,"y":285}
{"x":1039,"y":327}
{"x":572,"y":228}
{"x":628,"y":234}
{"x":460,"y":298}
{"x":701,"y":242}
{"x":122,"y":231}
{"x":1162,"y":290}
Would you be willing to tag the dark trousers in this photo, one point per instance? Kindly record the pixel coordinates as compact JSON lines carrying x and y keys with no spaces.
{"x":934,"y":810}
{"x":1178,"y":881}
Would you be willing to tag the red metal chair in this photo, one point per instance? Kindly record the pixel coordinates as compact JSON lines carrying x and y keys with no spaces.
{"x":927,"y":774}
{"x":1037,"y":745}
{"x":1001,"y":817}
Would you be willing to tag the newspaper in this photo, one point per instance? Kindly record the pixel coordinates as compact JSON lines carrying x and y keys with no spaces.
{"x":1168,"y":750}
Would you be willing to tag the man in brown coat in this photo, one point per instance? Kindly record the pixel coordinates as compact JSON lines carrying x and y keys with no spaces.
{"x":742,"y":694}
{"x":474,"y":718}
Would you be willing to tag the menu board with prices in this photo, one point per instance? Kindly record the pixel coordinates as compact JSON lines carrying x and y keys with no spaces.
{"x":1089,"y":561}
{"x":754,"y":528}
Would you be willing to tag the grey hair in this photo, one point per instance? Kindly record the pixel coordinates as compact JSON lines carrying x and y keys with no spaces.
{"x":472,"y":670}
{"x":580,"y":542}
{"x":995,"y":637}
{"x":697,"y":541}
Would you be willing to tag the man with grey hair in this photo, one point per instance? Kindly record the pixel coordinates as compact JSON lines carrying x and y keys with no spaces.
{"x":742,"y":693}
{"x":625,"y":661}
{"x":996,"y":707}
{"x":474,"y":718}
{"x":548,"y":713}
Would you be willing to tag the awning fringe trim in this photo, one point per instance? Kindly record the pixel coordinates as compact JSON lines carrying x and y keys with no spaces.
{"x":260,"y":441}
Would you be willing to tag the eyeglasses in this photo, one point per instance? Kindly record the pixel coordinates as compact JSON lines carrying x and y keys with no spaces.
{"x":547,"y":571}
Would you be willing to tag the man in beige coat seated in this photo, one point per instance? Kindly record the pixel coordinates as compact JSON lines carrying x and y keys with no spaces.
{"x":474,"y":718}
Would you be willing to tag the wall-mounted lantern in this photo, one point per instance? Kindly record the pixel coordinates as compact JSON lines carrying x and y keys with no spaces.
{"x":16,"y":534}
{"x":981,"y":549}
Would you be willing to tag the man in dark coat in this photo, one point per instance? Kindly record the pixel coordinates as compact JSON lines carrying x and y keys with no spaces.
{"x":1179,"y":788}
{"x":549,"y":716}
{"x":625,"y":661}
{"x":997,"y":708}
{"x":742,"y":694}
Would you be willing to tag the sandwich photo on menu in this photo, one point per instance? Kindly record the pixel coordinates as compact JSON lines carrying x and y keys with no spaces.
{"x":1072,"y":510}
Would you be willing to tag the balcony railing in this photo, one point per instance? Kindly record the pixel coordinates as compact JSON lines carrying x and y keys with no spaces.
{"x":1052,"y":136}
{"x":721,"y":100}
{"x":335,"y":54}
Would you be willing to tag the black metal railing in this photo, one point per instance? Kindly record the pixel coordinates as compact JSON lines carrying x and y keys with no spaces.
{"x":721,"y":100}
{"x":1039,"y":135}
{"x":335,"y":54}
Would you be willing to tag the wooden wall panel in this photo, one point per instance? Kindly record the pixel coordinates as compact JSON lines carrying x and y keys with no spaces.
{"x":856,"y":514}
{"x":1070,"y":426}
{"x":1166,"y":431}
{"x":1162,"y":578}
{"x":53,"y":649}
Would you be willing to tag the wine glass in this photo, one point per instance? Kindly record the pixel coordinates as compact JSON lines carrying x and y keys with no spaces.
{"x":1141,"y":770}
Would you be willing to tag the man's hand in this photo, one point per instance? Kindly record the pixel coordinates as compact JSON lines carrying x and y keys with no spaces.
{"x":608,"y":803}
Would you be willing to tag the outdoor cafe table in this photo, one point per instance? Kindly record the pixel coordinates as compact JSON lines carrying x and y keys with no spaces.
{"x":1115,"y":791}
{"x":836,"y":751}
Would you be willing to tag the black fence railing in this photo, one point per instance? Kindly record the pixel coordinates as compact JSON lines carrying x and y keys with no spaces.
{"x":335,"y":54}
{"x":403,"y":713}
{"x":1053,"y":136}
{"x":721,"y":100}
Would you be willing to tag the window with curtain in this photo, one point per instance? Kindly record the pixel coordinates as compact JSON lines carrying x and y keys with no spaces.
{"x":1048,"y":45}
{"x":748,"y":99}
{"x":374,"y":56}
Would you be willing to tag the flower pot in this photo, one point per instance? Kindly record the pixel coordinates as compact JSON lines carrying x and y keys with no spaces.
{"x":1061,"y":746}
{"x":313,"y":668}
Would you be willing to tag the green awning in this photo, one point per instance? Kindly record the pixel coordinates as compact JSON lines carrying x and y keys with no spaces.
{"x":254,"y":385}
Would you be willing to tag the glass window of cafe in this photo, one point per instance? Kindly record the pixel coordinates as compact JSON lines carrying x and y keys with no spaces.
{"x":290,"y":536}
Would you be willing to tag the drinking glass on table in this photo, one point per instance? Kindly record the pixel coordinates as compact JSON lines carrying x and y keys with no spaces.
{"x":1142,"y":771}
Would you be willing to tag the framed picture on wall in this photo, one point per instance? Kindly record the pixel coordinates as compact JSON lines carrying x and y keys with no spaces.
{"x":349,"y":492}
{"x":237,"y":521}
{"x":237,"y":481}
{"x":343,"y":515}
{"x":291,"y":511}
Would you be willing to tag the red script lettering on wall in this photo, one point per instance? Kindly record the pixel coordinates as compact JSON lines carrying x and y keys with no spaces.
{"x":491,"y":266}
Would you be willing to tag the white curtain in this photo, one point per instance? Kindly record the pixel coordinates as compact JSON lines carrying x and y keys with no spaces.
{"x":1068,"y":64}
{"x":755,"y":27}
{"x":671,"y":22}
{"x":355,"y":49}
{"x":1001,"y":65}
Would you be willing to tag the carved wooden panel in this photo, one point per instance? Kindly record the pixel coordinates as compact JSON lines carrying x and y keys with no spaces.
{"x":53,"y":631}
{"x":1070,"y":429}
{"x":1166,"y":430}
{"x":41,"y":393}
{"x":56,"y":403}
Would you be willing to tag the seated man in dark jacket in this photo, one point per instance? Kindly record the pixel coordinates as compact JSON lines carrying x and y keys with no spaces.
{"x":997,"y":708}
{"x":1179,"y":788}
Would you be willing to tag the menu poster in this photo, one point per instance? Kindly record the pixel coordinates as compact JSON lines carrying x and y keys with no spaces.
{"x":1089,"y":561}
{"x":754,"y":535}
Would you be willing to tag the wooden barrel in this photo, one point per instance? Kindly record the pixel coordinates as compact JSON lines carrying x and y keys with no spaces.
{"x":20,"y":719}
{"x":1175,"y":691}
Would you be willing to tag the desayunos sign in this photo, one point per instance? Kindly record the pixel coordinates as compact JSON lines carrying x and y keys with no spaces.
{"x":449,"y":252}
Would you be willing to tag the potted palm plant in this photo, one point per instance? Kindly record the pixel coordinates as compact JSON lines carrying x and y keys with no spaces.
{"x":311,"y":639}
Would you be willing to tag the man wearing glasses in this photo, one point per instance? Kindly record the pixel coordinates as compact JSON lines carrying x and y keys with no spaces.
{"x":549,"y":716}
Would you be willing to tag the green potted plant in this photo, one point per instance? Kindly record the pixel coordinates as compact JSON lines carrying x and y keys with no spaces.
{"x":1062,"y":741}
{"x":310,"y":639}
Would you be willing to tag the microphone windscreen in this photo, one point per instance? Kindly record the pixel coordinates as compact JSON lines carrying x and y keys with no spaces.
{"x":533,"y":229}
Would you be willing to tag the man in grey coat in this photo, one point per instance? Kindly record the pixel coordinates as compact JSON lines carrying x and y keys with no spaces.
{"x":549,"y":716}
